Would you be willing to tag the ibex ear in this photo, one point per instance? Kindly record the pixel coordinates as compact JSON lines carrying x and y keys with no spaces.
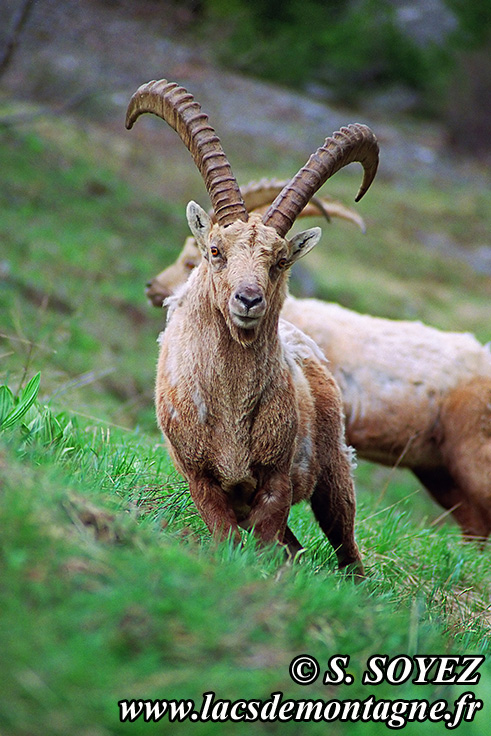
{"x":200,"y":223}
{"x":303,"y":242}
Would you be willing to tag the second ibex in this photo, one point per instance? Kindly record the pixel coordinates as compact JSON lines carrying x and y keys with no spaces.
{"x":251,"y":412}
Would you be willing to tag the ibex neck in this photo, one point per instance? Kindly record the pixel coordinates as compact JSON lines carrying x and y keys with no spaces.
{"x":232,"y":355}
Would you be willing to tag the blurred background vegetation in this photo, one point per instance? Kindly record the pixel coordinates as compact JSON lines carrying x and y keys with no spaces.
{"x":427,"y":57}
{"x":434,"y":53}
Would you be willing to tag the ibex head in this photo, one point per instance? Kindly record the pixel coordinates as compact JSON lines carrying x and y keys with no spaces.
{"x":247,"y":257}
{"x":246,"y":265}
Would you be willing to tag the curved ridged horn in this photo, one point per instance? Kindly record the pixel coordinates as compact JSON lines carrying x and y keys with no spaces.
{"x":180,"y":110}
{"x":355,"y":142}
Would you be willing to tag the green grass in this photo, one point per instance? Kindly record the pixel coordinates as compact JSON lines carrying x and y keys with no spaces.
{"x":111,"y":590}
{"x":110,"y":587}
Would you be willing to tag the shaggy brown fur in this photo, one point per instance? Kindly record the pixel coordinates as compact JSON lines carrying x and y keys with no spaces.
{"x":252,"y":414}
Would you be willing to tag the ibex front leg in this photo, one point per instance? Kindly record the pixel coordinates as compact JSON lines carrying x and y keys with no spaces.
{"x":270,"y":511}
{"x":213,"y":506}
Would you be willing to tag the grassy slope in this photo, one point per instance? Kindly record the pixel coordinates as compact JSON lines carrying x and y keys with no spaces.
{"x":109,"y":587}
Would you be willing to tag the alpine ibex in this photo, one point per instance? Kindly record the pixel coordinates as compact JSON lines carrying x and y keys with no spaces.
{"x":252,"y":415}
{"x":413,"y":395}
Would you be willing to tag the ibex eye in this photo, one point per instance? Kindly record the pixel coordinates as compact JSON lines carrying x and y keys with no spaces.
{"x":282,"y":263}
{"x":214,"y":251}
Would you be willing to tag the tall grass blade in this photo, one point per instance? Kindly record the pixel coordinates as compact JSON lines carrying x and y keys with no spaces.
{"x":6,"y":402}
{"x":29,"y":396}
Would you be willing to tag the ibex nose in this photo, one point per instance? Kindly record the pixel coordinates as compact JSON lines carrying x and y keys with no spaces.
{"x":249,"y":296}
{"x":156,"y":293}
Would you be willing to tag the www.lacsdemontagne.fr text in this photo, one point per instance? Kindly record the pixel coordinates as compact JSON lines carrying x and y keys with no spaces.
{"x":394,"y":714}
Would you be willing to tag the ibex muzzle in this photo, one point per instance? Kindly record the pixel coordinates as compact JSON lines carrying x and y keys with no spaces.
{"x":247,"y":305}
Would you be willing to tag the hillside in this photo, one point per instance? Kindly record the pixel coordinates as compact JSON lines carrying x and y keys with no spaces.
{"x":110,"y":588}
